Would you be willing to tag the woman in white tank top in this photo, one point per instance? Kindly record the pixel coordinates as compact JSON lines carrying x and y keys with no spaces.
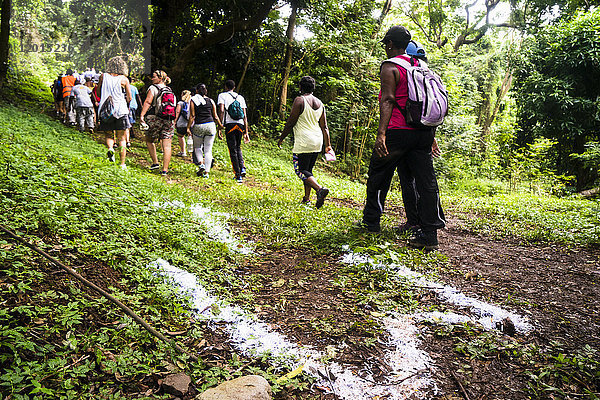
{"x":307,"y":120}
{"x":111,"y":84}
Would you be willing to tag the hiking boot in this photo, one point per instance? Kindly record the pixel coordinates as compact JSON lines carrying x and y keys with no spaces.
{"x":362,"y":226}
{"x":154,"y":166}
{"x":406,"y":227}
{"x":424,"y":240}
{"x":321,"y":194}
{"x":243,"y":173}
{"x":305,"y":201}
{"x":239,"y":179}
{"x":110,"y":154}
{"x":201,"y":169}
{"x":205,"y":175}
{"x":164,"y":173}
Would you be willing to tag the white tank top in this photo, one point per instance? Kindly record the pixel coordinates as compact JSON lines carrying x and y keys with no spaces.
{"x":308,"y":137}
{"x":111,"y":86}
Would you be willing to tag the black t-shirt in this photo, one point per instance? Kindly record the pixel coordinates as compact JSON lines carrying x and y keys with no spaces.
{"x":203,"y":112}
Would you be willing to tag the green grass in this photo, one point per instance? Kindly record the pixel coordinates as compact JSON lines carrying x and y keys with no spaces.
{"x":56,"y":185}
{"x":571,"y":221}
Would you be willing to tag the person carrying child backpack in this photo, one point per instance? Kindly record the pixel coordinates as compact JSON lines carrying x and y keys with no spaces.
{"x":396,"y":140}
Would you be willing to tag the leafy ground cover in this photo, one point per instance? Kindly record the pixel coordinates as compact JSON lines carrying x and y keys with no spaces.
{"x":62,"y":340}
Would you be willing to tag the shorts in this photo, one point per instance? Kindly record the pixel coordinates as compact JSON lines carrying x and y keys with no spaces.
{"x":206,"y":129}
{"x":119,"y":124}
{"x":159,"y":128}
{"x":304,"y":164}
{"x":181,"y":131}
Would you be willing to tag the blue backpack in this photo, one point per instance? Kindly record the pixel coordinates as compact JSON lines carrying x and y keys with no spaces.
{"x":235,"y":109}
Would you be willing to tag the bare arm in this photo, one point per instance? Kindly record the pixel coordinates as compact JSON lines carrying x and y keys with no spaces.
{"x":125,"y":84}
{"x":297,"y":108}
{"x":147,"y":105}
{"x":192,"y":117}
{"x":247,"y":128}
{"x":213,"y":109}
{"x":177,"y":111}
{"x":325,"y":130}
{"x":221,"y":110}
{"x":389,"y":80}
{"x":138,"y":98}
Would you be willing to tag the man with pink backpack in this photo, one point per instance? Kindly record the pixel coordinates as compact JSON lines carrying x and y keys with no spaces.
{"x":406,"y":134}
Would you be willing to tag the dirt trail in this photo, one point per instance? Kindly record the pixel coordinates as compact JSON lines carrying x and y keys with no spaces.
{"x":555,"y":287}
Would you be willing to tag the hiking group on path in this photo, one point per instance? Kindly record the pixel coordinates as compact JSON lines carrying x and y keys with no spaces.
{"x":405,"y":142}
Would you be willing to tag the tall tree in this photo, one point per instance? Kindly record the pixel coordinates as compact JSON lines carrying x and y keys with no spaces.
{"x":225,"y":23}
{"x":289,"y":50}
{"x":557,"y":82}
{"x":4,"y":39}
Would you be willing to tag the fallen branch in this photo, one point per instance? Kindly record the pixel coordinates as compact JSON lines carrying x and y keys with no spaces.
{"x":590,"y":192}
{"x":462,"y":389}
{"x":104,"y":293}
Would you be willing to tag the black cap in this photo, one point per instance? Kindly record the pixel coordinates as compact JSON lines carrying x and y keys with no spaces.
{"x":397,"y":33}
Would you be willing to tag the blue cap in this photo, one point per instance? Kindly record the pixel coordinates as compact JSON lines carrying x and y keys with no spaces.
{"x":414,"y":49}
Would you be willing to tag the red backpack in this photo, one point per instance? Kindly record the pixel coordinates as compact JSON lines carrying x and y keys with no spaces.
{"x":165,"y":103}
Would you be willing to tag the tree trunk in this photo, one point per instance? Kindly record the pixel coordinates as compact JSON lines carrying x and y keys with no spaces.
{"x":487,"y":122}
{"x":4,"y":42}
{"x":219,"y":35}
{"x":239,"y":85}
{"x":289,"y":50}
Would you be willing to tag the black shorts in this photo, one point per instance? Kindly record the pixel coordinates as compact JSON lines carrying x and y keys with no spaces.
{"x":119,"y":125}
{"x":304,"y":164}
{"x":181,"y":131}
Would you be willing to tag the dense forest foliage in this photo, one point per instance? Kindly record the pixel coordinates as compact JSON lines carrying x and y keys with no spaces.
{"x":522,"y":75}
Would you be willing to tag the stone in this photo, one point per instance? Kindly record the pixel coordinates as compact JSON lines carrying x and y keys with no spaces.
{"x":177,"y":384}
{"x":251,"y":387}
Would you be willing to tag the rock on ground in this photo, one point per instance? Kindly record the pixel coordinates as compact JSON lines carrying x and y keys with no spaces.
{"x":177,"y":384}
{"x":251,"y":387}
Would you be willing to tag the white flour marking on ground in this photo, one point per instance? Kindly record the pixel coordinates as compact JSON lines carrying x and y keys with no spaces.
{"x":410,"y":365}
{"x":213,"y":222}
{"x":489,"y":314}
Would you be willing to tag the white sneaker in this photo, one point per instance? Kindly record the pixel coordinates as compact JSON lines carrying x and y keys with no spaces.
{"x":123,"y":166}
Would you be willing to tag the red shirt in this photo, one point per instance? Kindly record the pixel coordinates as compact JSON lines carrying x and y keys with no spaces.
{"x":397,"y":121}
{"x":95,"y":94}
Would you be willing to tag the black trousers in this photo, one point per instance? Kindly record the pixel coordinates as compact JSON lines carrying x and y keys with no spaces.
{"x":411,"y":151}
{"x":410,"y":196}
{"x":233,"y":134}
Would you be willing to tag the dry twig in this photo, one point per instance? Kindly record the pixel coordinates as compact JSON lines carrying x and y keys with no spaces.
{"x":104,"y":293}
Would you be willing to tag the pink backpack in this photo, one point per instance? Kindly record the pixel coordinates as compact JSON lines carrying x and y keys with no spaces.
{"x":165,"y":103}
{"x":427,"y":103}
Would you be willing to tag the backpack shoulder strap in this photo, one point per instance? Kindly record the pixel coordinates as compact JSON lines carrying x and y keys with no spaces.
{"x":405,"y":64}
{"x":234,"y":97}
{"x":399,"y":61}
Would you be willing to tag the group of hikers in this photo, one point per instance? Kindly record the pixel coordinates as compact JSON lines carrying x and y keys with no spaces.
{"x":108,"y":102}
